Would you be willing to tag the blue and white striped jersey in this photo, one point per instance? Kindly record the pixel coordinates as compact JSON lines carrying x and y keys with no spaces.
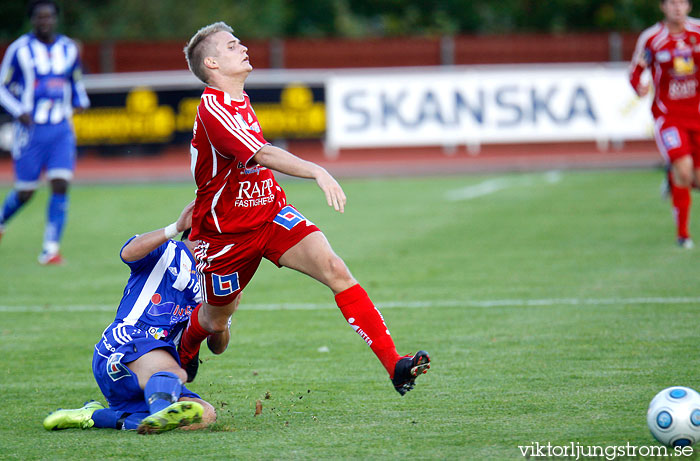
{"x":158,"y":299}
{"x":44,"y":80}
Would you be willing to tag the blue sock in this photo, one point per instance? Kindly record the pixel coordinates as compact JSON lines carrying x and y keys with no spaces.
{"x":113,"y":419}
{"x":132,"y":421}
{"x":162,"y":390}
{"x":106,"y":418}
{"x":10,"y":207}
{"x":56,"y":217}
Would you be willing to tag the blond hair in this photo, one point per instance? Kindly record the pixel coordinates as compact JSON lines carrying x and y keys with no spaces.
{"x":199,"y":48}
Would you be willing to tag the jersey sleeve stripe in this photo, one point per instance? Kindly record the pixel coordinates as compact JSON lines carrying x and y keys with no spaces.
{"x":658,"y":41}
{"x":7,"y":100}
{"x":227,"y":115}
{"x":226,"y":124}
{"x":237,"y":125}
{"x":152,"y":283}
{"x":74,"y":64}
{"x":82,"y":94}
{"x":25,"y":61}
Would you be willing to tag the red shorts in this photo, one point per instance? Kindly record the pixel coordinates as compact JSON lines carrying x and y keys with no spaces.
{"x":675,"y":140}
{"x":225,"y":269}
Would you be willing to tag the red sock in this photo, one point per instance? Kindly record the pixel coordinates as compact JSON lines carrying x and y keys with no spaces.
{"x":680,"y":198}
{"x":368,"y":322}
{"x":192,"y":338}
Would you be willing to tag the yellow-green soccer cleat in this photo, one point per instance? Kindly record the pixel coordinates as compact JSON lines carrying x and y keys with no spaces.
{"x":171,"y":417}
{"x":75,"y":418}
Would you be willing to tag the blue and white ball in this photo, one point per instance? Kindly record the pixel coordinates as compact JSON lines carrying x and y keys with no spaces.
{"x":674,"y":416}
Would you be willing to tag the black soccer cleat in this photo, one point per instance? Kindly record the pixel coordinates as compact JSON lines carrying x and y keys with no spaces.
{"x":407,"y":369}
{"x":192,"y":367}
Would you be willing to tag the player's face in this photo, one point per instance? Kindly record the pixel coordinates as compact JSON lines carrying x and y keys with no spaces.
{"x":232,"y":55}
{"x":676,"y":11}
{"x":44,"y":21}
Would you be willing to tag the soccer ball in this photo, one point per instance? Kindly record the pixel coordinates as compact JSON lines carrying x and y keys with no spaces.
{"x":674,"y":416}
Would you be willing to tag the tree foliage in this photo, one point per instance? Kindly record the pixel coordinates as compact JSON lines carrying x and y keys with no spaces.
{"x":262,"y":19}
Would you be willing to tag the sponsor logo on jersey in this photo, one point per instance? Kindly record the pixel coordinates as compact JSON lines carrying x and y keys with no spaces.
{"x":181,"y":314}
{"x":253,"y":170}
{"x":157,"y":308}
{"x":158,"y":333}
{"x":682,"y":88}
{"x":663,"y":56}
{"x":255,"y":193}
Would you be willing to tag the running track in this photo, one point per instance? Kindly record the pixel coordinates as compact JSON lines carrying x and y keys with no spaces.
{"x":173,"y":164}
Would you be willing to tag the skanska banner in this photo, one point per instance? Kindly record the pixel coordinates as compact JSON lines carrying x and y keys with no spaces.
{"x":484,"y":104}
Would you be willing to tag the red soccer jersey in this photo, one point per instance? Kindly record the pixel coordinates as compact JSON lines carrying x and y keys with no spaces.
{"x":234,"y":194}
{"x":672,"y":60}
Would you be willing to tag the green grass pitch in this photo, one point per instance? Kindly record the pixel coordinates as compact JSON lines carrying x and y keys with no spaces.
{"x":554,"y":307}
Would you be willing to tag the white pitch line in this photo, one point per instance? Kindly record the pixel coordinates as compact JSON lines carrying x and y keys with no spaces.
{"x":398,"y":304}
{"x":491,"y":186}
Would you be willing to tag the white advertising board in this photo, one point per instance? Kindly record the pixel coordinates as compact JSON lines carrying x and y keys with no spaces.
{"x":475,"y":105}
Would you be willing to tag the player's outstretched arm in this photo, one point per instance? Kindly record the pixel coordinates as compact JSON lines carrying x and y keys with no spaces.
{"x":285,"y":162}
{"x":145,"y":243}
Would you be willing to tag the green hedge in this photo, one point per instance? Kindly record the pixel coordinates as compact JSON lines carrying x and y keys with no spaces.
{"x":261,"y":19}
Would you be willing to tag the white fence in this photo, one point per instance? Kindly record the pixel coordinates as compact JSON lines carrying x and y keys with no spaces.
{"x":444,"y":106}
{"x":484,"y":104}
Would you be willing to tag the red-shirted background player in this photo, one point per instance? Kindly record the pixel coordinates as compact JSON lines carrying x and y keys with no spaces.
{"x":241,"y":214}
{"x":671,"y":50}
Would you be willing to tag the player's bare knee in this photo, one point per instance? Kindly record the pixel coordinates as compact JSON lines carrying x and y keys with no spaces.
{"x":215,"y":325}
{"x":180,"y":373}
{"x":59,"y":186}
{"x":684,"y":179}
{"x":220,"y":326}
{"x":24,"y":195}
{"x":339,"y":273}
{"x":682,"y":171}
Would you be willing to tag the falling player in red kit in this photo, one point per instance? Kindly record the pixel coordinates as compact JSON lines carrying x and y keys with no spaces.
{"x":241,"y":214}
{"x":671,"y":50}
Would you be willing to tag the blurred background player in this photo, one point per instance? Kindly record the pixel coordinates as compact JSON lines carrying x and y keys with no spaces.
{"x":136,"y":362}
{"x":40,"y":81}
{"x":241,"y":214}
{"x":670,"y":49}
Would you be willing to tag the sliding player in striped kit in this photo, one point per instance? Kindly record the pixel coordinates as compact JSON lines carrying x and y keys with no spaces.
{"x":135,"y":363}
{"x":241,"y":213}
{"x":40,"y":84}
{"x":670,"y":49}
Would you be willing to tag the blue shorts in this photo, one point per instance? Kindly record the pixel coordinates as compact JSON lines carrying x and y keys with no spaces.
{"x":119,"y":384}
{"x":38,"y":148}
